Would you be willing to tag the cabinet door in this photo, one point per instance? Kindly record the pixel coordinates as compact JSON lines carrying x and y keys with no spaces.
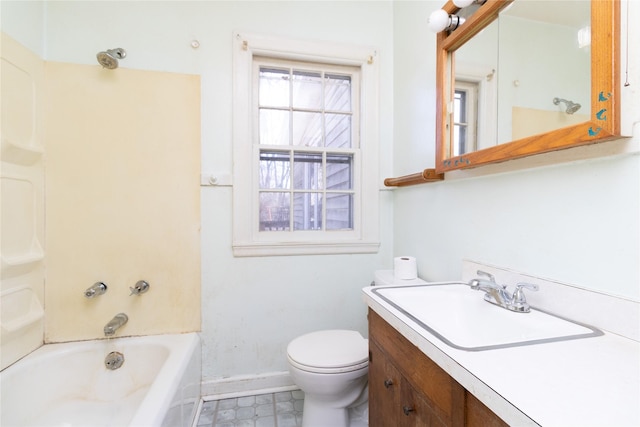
{"x":416,"y":410}
{"x":442,"y":394}
{"x":384,"y":390}
{"x":478,"y":415}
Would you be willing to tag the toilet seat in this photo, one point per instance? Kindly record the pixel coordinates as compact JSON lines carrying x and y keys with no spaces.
{"x":329,"y":352}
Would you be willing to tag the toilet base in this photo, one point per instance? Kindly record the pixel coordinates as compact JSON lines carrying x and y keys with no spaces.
{"x":314,"y":415}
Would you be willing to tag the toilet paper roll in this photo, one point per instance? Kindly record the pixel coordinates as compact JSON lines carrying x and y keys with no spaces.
{"x":405,"y":268}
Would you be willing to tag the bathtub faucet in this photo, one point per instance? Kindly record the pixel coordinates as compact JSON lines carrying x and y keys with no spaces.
{"x":114,"y":324}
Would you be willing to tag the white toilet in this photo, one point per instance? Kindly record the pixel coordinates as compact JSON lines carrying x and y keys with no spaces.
{"x":331,"y":368}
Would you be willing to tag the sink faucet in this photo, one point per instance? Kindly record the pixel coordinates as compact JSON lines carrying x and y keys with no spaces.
{"x":114,"y":324}
{"x":498,"y":294}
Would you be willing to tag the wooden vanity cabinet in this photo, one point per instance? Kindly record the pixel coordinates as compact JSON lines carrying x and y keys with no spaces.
{"x":406,"y":388}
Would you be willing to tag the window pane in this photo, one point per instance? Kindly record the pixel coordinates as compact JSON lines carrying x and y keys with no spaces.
{"x":307,"y":211}
{"x":274,"y":211}
{"x":460,"y":106}
{"x":274,"y":127}
{"x":307,"y":90}
{"x":307,"y":129}
{"x":459,"y":140}
{"x":337,"y":93}
{"x":338,"y":130}
{"x":307,"y":171}
{"x":339,"y":211}
{"x":339,"y":171}
{"x":274,"y":87}
{"x":275,"y":167}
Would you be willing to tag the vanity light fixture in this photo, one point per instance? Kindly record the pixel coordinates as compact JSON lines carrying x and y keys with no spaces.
{"x":465,"y":3}
{"x":440,"y":20}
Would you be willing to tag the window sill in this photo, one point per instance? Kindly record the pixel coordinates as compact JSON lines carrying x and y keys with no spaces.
{"x":329,"y":248}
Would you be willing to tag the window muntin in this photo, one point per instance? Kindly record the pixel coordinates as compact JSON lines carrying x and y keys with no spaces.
{"x":308,"y":107}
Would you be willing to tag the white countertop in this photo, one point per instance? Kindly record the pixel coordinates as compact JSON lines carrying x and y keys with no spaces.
{"x":585,"y":382}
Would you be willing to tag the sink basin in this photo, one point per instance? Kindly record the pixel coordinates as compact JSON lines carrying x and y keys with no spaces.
{"x":459,"y":316}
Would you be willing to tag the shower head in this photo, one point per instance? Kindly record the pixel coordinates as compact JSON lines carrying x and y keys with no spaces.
{"x":109,"y":59}
{"x":572,"y":107}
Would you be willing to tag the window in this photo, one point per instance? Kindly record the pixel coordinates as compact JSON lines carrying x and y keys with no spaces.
{"x":305,"y":148}
{"x":307,"y":137}
{"x":465,"y":117}
{"x":475,"y":108}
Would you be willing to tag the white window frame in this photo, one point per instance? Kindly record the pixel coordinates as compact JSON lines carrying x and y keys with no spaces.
{"x":247,"y":239}
{"x":470,"y":91}
{"x":487,"y":101}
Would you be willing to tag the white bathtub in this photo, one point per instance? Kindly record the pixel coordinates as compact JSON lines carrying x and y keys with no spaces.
{"x":68,"y":384}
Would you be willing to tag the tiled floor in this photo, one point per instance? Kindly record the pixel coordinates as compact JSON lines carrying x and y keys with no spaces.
{"x":282,"y":409}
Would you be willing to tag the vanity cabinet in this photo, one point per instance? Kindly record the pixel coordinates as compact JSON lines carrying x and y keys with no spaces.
{"x":406,"y":388}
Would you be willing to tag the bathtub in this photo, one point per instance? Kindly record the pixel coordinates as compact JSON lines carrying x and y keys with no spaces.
{"x":68,"y":384}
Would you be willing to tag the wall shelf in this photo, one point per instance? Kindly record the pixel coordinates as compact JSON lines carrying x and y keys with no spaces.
{"x":18,"y":154}
{"x":427,"y":175}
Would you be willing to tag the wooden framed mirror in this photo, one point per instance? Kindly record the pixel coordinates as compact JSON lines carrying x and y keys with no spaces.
{"x":601,"y":123}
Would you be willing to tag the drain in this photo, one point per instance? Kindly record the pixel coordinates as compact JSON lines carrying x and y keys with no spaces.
{"x":114,"y":360}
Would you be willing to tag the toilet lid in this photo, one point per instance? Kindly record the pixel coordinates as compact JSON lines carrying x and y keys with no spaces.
{"x":329,"y":349}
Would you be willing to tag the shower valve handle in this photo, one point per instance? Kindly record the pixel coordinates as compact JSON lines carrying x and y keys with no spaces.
{"x":140,"y":288}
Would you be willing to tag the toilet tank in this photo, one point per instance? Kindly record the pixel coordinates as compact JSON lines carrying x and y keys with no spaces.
{"x":386,"y":278}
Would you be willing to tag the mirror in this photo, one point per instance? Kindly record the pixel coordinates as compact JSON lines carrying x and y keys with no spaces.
{"x":503,"y":96}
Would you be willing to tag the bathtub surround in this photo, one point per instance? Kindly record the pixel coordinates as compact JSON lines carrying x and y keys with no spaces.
{"x":22,"y":205}
{"x":123,"y":203}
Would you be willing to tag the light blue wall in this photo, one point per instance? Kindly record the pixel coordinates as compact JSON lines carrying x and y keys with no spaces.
{"x":573,"y":221}
{"x":24,"y":21}
{"x":251,"y":307}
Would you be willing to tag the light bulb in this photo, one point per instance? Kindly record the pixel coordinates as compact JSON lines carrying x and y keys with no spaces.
{"x":462,"y":3}
{"x":584,"y":37}
{"x":438,"y":20}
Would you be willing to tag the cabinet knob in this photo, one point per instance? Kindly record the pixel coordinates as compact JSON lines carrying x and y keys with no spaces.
{"x":407,"y":410}
{"x":388,"y":383}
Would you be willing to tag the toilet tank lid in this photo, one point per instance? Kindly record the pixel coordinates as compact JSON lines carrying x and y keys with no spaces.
{"x":386,"y":278}
{"x":329,"y":349}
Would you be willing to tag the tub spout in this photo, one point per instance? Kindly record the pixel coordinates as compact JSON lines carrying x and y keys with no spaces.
{"x":114,"y":324}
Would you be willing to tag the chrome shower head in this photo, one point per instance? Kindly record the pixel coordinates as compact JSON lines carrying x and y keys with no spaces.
{"x":572,"y":107}
{"x":109,"y":58}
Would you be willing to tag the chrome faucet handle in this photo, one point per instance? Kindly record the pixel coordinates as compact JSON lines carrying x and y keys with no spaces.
{"x":487,"y":275}
{"x":140,"y":288}
{"x":519,"y":300}
{"x":95,"y":290}
{"x":483,"y":284}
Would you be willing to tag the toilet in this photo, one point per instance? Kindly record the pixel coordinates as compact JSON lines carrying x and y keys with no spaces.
{"x":331,"y":368}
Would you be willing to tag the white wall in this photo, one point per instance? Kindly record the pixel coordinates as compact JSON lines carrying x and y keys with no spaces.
{"x":251,"y":307}
{"x":573,"y":221}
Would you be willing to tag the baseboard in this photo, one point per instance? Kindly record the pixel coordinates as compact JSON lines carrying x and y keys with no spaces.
{"x":244,"y":385}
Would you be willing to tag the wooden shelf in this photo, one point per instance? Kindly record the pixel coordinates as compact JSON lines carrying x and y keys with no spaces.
{"x":427,"y":175}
